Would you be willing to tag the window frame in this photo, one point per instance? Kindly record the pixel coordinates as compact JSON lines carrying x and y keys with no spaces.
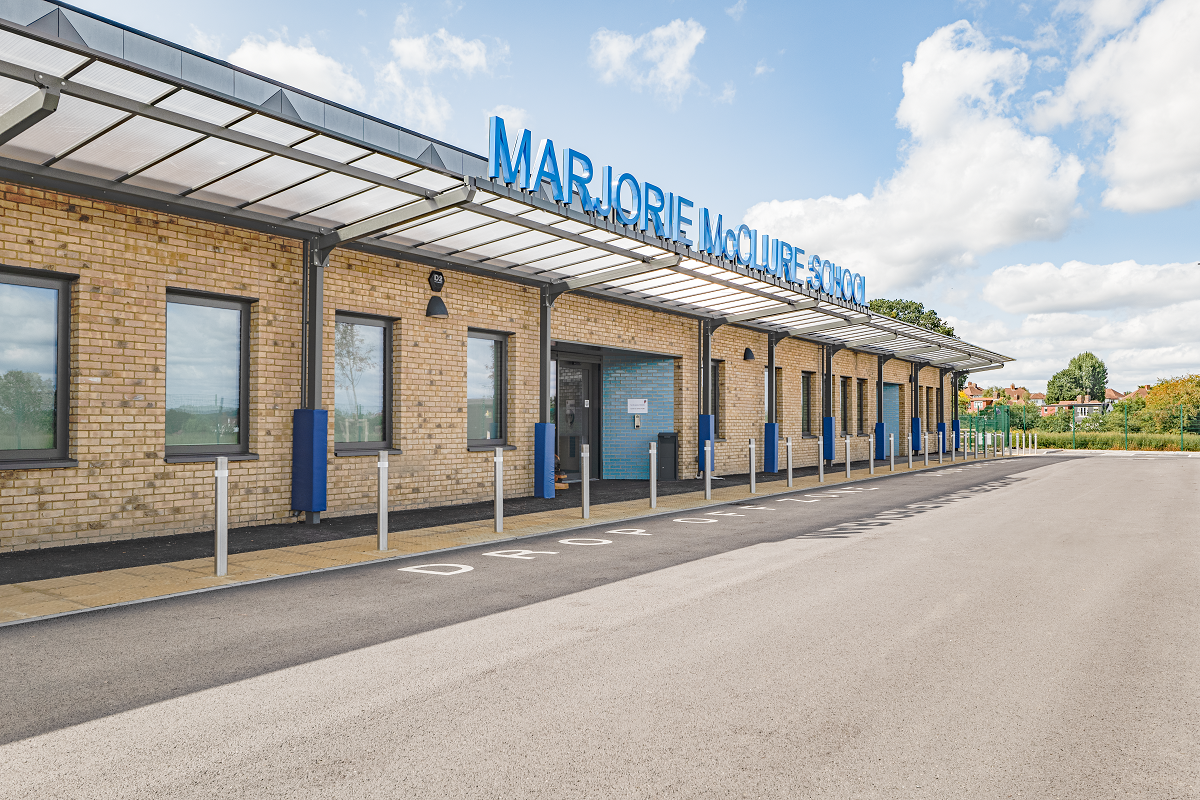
{"x":177,"y":453}
{"x":716,"y":371}
{"x":365,"y":448}
{"x":59,"y":455}
{"x":845,"y":404}
{"x":501,"y":388}
{"x":861,"y":405}
{"x":806,"y":381}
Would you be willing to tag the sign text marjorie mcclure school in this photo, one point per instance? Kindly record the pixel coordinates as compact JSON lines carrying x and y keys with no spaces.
{"x":650,"y":208}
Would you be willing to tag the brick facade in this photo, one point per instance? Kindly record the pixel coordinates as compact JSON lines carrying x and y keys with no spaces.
{"x":126,"y":259}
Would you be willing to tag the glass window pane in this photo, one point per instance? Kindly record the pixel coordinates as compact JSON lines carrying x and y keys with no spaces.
{"x":28,"y":367}
{"x":358,"y":400}
{"x":204,"y":362}
{"x":483,"y":373}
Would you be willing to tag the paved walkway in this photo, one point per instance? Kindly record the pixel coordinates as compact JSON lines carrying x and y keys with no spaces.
{"x":40,"y":598}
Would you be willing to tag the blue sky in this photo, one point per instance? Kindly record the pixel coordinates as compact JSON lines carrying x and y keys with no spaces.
{"x":1030,"y":170}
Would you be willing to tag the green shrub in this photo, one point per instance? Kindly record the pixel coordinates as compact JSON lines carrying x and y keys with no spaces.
{"x":1116,"y":441}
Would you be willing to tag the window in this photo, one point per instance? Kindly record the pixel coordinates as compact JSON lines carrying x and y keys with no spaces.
{"x":806,"y":416}
{"x":208,"y":365}
{"x":362,"y":377}
{"x":862,"y":406}
{"x":34,"y":376}
{"x":847,"y":389}
{"x":486,"y":388}
{"x":715,"y":381}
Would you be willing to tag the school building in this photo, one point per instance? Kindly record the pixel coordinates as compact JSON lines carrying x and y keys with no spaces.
{"x":196,"y":261}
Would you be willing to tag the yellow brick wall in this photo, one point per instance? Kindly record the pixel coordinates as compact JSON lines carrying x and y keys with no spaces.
{"x":126,"y":260}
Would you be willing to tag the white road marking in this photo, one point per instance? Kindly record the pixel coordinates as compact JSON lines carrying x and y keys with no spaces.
{"x":796,"y":500}
{"x":427,"y":569}
{"x":722,"y":514}
{"x":697,"y":520}
{"x":525,"y":554}
{"x":631,"y":531}
{"x":585,"y":542}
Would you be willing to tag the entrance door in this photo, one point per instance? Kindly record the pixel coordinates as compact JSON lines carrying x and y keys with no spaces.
{"x":891,"y":414}
{"x":578,"y":420}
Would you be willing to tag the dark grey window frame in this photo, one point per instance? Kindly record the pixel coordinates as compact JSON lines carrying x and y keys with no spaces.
{"x":59,"y":455}
{"x":183,"y":453}
{"x":501,"y":387}
{"x":370,"y":448}
{"x":806,"y":418}
{"x":863,"y":389}
{"x":716,"y":369}
{"x":845,"y":403}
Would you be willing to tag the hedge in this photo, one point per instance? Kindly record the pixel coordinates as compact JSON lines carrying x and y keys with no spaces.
{"x":1113,"y":440}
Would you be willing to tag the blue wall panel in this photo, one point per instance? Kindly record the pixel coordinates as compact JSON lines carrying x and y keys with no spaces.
{"x":625,"y":449}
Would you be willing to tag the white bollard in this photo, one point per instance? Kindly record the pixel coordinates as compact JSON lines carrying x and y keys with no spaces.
{"x":382,"y":522}
{"x":892,"y":447}
{"x":952,"y":443}
{"x":708,"y":470}
{"x":221,"y":530}
{"x":1035,"y":444}
{"x":788,"y":445}
{"x":820,"y":458}
{"x":847,"y":456}
{"x":585,"y":477}
{"x":498,"y":481}
{"x":925,"y":447}
{"x":871,"y":455}
{"x":654,"y":474}
{"x":753,"y":490}
{"x":909,"y":457}
{"x":941,"y":440}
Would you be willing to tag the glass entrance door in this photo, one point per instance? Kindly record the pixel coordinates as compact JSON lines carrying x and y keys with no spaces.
{"x":577,"y":416}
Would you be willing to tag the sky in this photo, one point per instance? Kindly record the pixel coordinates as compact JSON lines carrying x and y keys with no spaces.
{"x":1030,"y":170}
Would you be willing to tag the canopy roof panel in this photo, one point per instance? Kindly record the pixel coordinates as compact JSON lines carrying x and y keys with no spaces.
{"x":93,"y":107}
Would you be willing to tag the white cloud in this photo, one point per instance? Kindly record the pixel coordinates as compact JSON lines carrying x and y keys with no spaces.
{"x":1076,"y":286}
{"x":210,"y":45}
{"x":416,"y":106}
{"x":1046,"y":63}
{"x":515,"y":119}
{"x":972,"y":180}
{"x":737,"y":10}
{"x":660,"y":59}
{"x":1101,"y":18}
{"x":1144,"y":83}
{"x":299,"y":65}
{"x":728,"y":93}
{"x":762,"y":68}
{"x":435,"y":52}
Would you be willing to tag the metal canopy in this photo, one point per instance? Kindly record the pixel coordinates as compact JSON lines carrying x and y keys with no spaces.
{"x":91,"y":107}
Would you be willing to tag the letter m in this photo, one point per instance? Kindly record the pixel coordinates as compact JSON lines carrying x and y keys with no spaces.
{"x":504,"y":164}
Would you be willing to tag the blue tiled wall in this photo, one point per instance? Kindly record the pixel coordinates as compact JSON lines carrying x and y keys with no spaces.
{"x":625,"y":448}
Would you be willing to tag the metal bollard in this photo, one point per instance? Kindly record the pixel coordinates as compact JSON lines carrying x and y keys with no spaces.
{"x":847,"y":456}
{"x":753,"y":490}
{"x":871,"y":454}
{"x":221,"y":530}
{"x":952,"y":449}
{"x":820,"y":459}
{"x":498,"y":480}
{"x":654,"y":474}
{"x":708,"y":470}
{"x":925,"y":447}
{"x":892,"y":447}
{"x":788,"y":446}
{"x":1035,"y":444}
{"x":941,"y":440}
{"x":585,"y":477}
{"x":382,"y":522}
{"x":909,"y":457}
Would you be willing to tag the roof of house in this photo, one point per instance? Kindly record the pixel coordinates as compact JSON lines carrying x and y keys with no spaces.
{"x":1112,"y":394}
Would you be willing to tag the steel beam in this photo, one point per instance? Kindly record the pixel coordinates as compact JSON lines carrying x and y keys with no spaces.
{"x":608,"y":275}
{"x":29,"y":112}
{"x":886,"y":337}
{"x":771,"y":311}
{"x":826,"y":326}
{"x":390,"y":219}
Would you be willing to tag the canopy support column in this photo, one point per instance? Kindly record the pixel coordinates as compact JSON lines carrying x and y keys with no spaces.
{"x":310,"y":422}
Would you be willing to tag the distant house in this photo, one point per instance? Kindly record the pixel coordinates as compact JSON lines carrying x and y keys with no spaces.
{"x":1083,"y":406}
{"x":1037,"y":399}
{"x":1017,"y":395}
{"x":975,"y":399}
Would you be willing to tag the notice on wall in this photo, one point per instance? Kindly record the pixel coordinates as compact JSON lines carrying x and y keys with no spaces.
{"x":638,"y":406}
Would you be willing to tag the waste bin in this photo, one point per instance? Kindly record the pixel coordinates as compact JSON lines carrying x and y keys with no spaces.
{"x":668,"y":456}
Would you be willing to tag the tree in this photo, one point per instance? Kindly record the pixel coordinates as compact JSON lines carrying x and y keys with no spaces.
{"x":913,"y":313}
{"x":27,"y":401}
{"x":1167,"y":395}
{"x":1084,"y":375}
{"x":352,"y":356}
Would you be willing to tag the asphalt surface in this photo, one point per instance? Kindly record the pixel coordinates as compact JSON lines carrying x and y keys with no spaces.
{"x":60,"y":562}
{"x":1015,"y":628}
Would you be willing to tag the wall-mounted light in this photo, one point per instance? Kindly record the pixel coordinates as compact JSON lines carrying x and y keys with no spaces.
{"x":748,"y":355}
{"x":437,"y":308}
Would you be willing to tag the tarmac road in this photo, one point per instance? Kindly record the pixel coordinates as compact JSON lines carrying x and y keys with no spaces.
{"x":1013,"y":628}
